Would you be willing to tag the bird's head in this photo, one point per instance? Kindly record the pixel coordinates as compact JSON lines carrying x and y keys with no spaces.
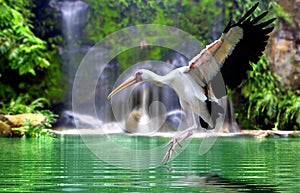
{"x":141,"y":75}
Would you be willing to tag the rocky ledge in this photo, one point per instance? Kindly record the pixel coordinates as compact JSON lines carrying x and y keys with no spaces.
{"x":271,"y":133}
{"x":9,"y":122}
{"x":243,"y":133}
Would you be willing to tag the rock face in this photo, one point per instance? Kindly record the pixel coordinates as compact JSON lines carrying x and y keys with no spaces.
{"x":284,"y":52}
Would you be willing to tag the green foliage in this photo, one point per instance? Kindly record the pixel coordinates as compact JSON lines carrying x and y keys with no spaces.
{"x":135,"y":55}
{"x":203,"y":19}
{"x":20,"y":49}
{"x":267,"y":104}
{"x":107,"y":17}
{"x":197,"y":18}
{"x":280,"y":13}
{"x":50,"y":118}
{"x":23,"y":105}
{"x":31,"y":131}
{"x":288,"y":115}
{"x":110,"y":16}
{"x":27,"y":63}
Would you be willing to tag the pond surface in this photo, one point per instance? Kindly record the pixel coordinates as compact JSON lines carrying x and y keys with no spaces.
{"x":65,"y":164}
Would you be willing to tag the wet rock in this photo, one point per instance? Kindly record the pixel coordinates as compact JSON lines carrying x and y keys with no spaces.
{"x":271,"y":133}
{"x":5,"y":130}
{"x":294,"y":134}
{"x":132,"y":121}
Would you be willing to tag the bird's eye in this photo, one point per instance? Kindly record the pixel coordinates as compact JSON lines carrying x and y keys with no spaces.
{"x":138,"y":76}
{"x":138,"y":73}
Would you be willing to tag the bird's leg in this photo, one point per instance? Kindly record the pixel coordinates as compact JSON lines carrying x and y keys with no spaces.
{"x":176,"y":140}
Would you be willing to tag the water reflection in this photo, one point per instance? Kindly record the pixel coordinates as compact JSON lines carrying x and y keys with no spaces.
{"x":233,"y":165}
{"x":223,"y":184}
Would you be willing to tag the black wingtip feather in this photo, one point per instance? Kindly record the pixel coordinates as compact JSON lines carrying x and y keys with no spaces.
{"x":258,"y":18}
{"x":268,"y":30}
{"x":266,"y":23}
{"x":249,"y":49}
{"x":228,"y":26}
{"x":248,"y":13}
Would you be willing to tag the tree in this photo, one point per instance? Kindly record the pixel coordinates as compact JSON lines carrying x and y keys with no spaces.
{"x":24,"y":58}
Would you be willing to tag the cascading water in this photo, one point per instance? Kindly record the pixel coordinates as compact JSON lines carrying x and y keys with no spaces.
{"x":74,"y":18}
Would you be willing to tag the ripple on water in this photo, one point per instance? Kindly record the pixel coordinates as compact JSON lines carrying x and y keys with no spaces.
{"x":66,"y":164}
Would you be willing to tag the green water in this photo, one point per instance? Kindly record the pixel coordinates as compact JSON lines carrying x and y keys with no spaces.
{"x":65,"y":164}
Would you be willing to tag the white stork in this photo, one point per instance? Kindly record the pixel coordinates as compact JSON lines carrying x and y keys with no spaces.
{"x":197,"y":84}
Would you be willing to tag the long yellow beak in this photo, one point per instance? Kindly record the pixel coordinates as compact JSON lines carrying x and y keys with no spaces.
{"x":130,"y":81}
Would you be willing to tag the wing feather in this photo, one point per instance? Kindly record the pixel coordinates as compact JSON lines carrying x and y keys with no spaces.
{"x":207,"y":64}
{"x":240,"y":43}
{"x":249,"y":49}
{"x":258,"y":18}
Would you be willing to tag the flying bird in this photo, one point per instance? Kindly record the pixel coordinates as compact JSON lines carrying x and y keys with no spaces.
{"x":197,"y":83}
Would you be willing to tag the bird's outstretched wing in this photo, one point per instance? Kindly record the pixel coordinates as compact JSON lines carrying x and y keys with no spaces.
{"x":239,"y":44}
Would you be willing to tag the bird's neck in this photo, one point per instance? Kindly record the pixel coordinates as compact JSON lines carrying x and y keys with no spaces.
{"x":158,"y":80}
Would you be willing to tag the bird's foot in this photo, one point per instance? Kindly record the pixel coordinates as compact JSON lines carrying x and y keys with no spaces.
{"x":174,"y":142}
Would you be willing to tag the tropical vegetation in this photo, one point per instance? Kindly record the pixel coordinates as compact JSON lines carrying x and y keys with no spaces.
{"x":268,"y":104}
{"x":29,"y":67}
{"x":31,"y":78}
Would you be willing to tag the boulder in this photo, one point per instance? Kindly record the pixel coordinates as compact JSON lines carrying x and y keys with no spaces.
{"x":21,"y":119}
{"x":5,"y":130}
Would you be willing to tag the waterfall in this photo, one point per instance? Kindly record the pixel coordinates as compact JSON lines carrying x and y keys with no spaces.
{"x":74,"y":18}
